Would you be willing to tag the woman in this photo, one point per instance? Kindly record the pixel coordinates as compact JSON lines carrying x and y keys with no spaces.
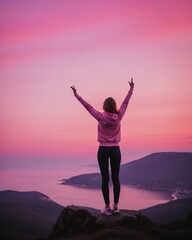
{"x":109,"y":136}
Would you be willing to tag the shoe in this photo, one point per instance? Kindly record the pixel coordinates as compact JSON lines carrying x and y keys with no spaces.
{"x":115,"y":210}
{"x":106,"y":211}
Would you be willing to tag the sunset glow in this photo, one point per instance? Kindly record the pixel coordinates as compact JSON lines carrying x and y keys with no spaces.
{"x":46,"y":46}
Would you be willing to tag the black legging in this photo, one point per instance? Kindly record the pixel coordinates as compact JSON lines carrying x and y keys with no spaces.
{"x":103,"y":156}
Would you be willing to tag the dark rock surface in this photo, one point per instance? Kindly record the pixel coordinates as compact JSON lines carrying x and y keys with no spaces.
{"x":75,"y":223}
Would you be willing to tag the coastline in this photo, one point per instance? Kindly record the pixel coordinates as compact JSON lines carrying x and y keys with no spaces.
{"x":173,"y":194}
{"x":182,"y":193}
{"x":170,"y":192}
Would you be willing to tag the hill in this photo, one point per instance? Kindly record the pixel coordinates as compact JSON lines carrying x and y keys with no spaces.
{"x":32,"y":215}
{"x":26,"y":215}
{"x":170,"y":212}
{"x":166,"y":170}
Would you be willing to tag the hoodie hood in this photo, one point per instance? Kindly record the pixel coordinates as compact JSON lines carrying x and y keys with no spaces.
{"x":110,"y":117}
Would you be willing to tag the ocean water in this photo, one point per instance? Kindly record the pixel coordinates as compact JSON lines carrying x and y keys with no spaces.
{"x":47,"y":181}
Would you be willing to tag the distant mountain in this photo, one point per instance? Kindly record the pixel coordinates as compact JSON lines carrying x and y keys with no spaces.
{"x":158,"y":170}
{"x":26,"y":215}
{"x":168,"y":213}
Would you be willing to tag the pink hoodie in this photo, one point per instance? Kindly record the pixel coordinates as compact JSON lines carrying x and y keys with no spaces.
{"x":109,"y":127}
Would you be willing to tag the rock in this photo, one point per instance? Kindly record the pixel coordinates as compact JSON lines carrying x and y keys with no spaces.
{"x":75,"y":220}
{"x":81,"y":223}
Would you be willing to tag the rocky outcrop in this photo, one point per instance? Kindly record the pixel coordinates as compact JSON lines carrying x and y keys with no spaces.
{"x":76,"y":223}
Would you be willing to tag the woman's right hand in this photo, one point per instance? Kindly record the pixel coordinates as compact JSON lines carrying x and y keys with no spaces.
{"x":74,"y":90}
{"x":131,"y":83}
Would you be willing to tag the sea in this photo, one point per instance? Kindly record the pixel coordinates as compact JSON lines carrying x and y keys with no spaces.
{"x":48,"y":182}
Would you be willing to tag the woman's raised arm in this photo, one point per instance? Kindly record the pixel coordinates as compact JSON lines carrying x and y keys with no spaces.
{"x":96,"y":114}
{"x":124,"y":104}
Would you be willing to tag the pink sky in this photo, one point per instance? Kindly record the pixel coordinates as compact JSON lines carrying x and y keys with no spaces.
{"x":48,"y":45}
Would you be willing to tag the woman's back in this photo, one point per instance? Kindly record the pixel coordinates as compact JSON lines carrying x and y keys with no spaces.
{"x":109,"y":131}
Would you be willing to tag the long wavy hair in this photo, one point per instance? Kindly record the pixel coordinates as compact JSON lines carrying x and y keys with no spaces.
{"x":110,"y":105}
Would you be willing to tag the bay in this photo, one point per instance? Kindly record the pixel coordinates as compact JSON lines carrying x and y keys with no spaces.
{"x":47,"y":181}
